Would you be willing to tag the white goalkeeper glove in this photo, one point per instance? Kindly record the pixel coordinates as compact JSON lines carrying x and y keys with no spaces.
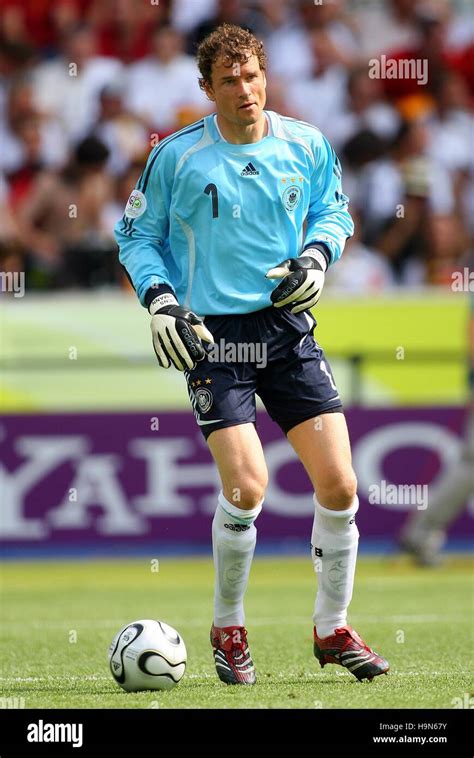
{"x":177,"y":333}
{"x":303,"y":280}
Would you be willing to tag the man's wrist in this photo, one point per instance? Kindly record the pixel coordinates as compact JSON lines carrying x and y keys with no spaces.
{"x":318,"y":252}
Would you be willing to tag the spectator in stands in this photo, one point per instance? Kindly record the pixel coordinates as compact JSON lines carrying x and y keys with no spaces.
{"x":398,"y":194}
{"x":288,"y":48}
{"x":122,"y":132}
{"x":432,"y":46}
{"x":365,"y":109}
{"x":291,"y":54}
{"x":15,"y":62}
{"x":69,"y":86}
{"x":186,"y":16}
{"x":125,"y":29}
{"x":164,"y":84}
{"x":62,"y":223}
{"x":27,"y":137}
{"x":320,"y":100}
{"x":330,"y":16}
{"x":358,"y":155}
{"x":450,"y":130}
{"x":12,"y":253}
{"x":447,"y":246}
{"x":227,"y":11}
{"x":387,"y":27}
{"x":29,"y":22}
{"x":270,"y":16}
{"x":8,"y":224}
{"x":360,"y":268}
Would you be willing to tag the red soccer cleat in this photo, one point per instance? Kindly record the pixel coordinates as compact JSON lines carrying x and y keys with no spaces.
{"x":232,"y":657}
{"x":346,"y":648}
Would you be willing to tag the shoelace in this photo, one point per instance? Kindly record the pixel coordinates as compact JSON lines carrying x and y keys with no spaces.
{"x":351,"y":639}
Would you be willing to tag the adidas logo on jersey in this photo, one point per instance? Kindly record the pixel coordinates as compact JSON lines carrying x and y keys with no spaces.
{"x":250,"y":170}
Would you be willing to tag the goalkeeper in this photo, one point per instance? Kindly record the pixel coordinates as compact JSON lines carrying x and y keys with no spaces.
{"x":226,"y":239}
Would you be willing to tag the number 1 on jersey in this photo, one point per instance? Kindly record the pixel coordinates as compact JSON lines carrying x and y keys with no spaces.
{"x":211,"y":189}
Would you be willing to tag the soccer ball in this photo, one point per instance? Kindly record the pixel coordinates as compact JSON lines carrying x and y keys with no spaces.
{"x":147,"y":655}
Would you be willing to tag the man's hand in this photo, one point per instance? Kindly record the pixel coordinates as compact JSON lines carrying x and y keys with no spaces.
{"x":302,"y":283}
{"x":177,"y":333}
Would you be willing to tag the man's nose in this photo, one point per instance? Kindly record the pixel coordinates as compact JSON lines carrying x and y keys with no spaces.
{"x":244,"y":89}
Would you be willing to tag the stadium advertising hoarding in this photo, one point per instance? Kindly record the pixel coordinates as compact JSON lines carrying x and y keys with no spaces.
{"x":137,"y":478}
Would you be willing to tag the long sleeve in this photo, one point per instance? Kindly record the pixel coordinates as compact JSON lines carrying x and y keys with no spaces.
{"x":328,"y":222}
{"x":143,"y":232}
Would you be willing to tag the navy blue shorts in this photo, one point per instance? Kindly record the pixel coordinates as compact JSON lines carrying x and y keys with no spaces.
{"x":271,"y":353}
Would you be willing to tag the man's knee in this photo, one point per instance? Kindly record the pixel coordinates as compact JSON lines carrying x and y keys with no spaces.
{"x":338,"y":493}
{"x":246,"y":492}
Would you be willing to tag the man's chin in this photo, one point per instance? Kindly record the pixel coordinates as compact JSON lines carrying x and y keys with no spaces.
{"x":250,"y":115}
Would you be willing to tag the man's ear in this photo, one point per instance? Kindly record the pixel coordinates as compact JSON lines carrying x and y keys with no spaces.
{"x":264,"y":80}
{"x":209,"y":92}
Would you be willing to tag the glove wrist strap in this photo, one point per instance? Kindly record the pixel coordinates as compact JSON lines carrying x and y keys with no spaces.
{"x":155,"y":298}
{"x":166,"y":298}
{"x":317,"y":255}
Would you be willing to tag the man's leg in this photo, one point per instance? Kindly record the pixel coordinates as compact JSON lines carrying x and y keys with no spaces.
{"x":238,"y":454}
{"x":322,"y":445}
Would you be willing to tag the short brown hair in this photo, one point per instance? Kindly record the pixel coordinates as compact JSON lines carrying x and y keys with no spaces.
{"x":233,"y":44}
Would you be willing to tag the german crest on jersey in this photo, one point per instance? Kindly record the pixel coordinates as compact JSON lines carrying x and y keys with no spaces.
{"x":204,"y":399}
{"x":292,"y":197}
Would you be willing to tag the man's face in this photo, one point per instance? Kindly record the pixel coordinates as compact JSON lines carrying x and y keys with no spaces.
{"x":238,"y":91}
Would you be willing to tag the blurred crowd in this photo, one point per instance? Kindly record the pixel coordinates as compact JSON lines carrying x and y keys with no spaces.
{"x":87,"y":87}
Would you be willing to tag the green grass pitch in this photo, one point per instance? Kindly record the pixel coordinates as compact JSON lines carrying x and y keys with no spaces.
{"x":59,"y":618}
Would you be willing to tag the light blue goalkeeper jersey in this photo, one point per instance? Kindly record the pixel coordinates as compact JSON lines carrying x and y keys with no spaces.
{"x":210,"y":218}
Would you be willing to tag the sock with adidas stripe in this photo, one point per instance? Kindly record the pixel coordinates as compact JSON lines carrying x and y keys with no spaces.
{"x":233,"y":544}
{"x":334,"y":543}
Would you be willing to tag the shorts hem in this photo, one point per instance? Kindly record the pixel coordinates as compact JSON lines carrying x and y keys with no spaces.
{"x":287,"y":425}
{"x":206,"y":431}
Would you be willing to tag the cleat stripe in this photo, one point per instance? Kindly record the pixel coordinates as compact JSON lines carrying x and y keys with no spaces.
{"x":357,"y":652}
{"x":358,"y":658}
{"x":357,"y":665}
{"x":222,"y":666}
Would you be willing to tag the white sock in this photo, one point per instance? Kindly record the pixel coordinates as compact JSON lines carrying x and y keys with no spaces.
{"x":233,"y":543}
{"x":334,"y":542}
